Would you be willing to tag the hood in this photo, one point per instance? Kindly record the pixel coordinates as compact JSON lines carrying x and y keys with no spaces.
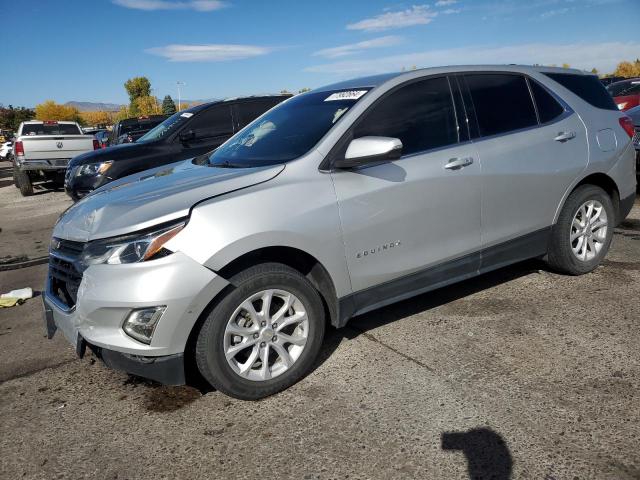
{"x":113,"y":152}
{"x":153,"y":197}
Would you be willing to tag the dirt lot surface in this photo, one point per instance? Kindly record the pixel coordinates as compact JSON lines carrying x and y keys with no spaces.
{"x":521,"y":373}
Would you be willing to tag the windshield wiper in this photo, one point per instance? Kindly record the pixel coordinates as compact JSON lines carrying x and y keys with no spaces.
{"x":228,"y":164}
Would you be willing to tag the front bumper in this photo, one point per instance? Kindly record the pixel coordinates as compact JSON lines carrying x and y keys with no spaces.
{"x":108,"y":293}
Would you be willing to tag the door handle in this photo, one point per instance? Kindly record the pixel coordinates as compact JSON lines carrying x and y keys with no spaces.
{"x":458,"y":163}
{"x":565,"y":136}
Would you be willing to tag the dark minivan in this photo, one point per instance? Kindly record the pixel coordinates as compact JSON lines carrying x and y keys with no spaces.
{"x":183,"y":135}
{"x":131,"y":129}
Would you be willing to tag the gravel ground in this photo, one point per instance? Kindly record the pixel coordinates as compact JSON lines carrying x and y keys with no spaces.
{"x":520,"y":373}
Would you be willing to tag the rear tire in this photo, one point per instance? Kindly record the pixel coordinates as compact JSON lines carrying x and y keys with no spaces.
{"x":287,"y":334}
{"x":582,"y":235}
{"x":15,"y":176}
{"x":23,"y":182}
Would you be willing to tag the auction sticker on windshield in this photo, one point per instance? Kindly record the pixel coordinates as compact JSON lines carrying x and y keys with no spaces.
{"x":186,"y":114}
{"x":346,"y":95}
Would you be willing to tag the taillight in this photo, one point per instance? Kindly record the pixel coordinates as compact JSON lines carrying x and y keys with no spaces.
{"x":18,"y":148}
{"x":627,"y":125}
{"x":96,"y":144}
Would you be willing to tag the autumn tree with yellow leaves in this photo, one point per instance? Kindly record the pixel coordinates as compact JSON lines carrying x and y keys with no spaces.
{"x":51,"y":110}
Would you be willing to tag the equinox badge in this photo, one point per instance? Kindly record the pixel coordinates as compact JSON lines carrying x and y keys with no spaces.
{"x":379,"y":248}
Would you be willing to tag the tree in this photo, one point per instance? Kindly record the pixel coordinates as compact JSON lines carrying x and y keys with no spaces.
{"x":10,"y":117}
{"x":147,"y":105}
{"x":137,"y":87}
{"x":628,"y":69}
{"x":594,"y":70}
{"x":98,"y":118}
{"x":168,"y":105}
{"x":50,"y":110}
{"x":566,"y":65}
{"x":122,"y":114}
{"x":303,"y":90}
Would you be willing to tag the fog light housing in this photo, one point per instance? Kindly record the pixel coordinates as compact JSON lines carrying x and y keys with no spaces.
{"x":141,"y":323}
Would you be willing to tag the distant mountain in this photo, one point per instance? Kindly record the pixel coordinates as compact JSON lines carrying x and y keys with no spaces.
{"x":94,"y":106}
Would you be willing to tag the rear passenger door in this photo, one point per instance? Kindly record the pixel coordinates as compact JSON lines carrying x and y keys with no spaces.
{"x":400,"y":218}
{"x":209,"y":129}
{"x":530,"y":151}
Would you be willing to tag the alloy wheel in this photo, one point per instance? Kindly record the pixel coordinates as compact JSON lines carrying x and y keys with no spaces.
{"x":589,"y":230}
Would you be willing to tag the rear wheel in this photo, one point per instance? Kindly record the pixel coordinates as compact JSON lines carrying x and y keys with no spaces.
{"x":15,"y":176}
{"x":264,"y":335}
{"x":582,"y":236}
{"x":23,"y":182}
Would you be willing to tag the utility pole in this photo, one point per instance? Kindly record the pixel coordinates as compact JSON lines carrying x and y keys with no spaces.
{"x":178,"y":83}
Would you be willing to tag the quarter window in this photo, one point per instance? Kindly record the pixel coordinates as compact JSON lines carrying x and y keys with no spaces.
{"x":587,"y":87}
{"x":420,"y":114}
{"x":249,"y":111}
{"x":502,"y":102}
{"x":548,"y":107}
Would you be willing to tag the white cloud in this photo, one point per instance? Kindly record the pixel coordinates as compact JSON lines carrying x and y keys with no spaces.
{"x":445,"y":3}
{"x":603,"y":56}
{"x":553,"y":13}
{"x":208,"y":53}
{"x":416,"y":15}
{"x":450,"y":11}
{"x":353,"y":48}
{"x":149,"y":5}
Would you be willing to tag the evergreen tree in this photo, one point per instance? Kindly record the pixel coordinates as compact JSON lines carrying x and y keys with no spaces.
{"x":168,"y":105}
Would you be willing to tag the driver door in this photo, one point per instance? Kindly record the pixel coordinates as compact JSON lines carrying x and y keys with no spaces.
{"x":413,"y":223}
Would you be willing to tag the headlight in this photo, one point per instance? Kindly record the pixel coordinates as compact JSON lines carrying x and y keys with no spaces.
{"x":92,"y":169}
{"x":127,"y":249}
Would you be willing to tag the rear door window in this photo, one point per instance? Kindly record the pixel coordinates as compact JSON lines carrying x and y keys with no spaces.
{"x":587,"y":87}
{"x":548,"y":107}
{"x":502,"y":102}
{"x":212,"y":122}
{"x":421,"y":115}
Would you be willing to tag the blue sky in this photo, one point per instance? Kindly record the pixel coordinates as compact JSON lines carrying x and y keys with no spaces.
{"x":85,"y":50}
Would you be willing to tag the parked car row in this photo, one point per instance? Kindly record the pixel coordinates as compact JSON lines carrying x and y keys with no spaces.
{"x":230,"y":264}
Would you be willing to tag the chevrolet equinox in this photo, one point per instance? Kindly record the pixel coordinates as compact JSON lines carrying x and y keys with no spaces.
{"x":332,"y":204}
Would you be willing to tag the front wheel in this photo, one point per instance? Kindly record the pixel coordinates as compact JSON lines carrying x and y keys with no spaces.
{"x":582,"y":236}
{"x":264,"y":335}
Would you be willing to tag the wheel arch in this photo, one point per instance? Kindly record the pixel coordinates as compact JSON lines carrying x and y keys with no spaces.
{"x":293,"y":257}
{"x":598,"y":179}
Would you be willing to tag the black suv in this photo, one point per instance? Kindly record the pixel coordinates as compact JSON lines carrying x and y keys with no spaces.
{"x":183,"y":135}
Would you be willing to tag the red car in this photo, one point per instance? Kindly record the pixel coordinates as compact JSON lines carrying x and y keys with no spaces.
{"x":626,"y":93}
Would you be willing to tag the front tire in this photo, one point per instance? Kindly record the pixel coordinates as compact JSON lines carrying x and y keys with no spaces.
{"x":582,"y":236}
{"x":264,"y":335}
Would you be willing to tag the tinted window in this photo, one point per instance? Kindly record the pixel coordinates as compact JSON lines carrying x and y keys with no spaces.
{"x":587,"y":87}
{"x":168,"y":126}
{"x":548,"y":107}
{"x":50,"y":129}
{"x":288,"y":131}
{"x":212,"y":122}
{"x":421,"y":115}
{"x":249,"y":111}
{"x":502,"y":102}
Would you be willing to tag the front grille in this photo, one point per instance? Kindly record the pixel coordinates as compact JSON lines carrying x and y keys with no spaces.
{"x":64,"y":278}
{"x":636,"y":137}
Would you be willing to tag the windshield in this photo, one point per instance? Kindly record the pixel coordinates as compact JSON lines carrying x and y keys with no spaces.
{"x":165,"y":128}
{"x":287,"y":131}
{"x":624,"y":88}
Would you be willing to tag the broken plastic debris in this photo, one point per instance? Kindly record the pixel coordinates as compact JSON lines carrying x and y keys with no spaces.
{"x":15,"y":297}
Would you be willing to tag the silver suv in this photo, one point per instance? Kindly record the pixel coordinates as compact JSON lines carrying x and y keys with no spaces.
{"x":335,"y":203}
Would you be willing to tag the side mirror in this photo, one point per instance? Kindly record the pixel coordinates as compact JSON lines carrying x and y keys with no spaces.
{"x":365,"y":150}
{"x":187,"y":135}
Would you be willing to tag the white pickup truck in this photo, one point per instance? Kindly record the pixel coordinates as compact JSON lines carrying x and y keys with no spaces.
{"x":44,"y":148}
